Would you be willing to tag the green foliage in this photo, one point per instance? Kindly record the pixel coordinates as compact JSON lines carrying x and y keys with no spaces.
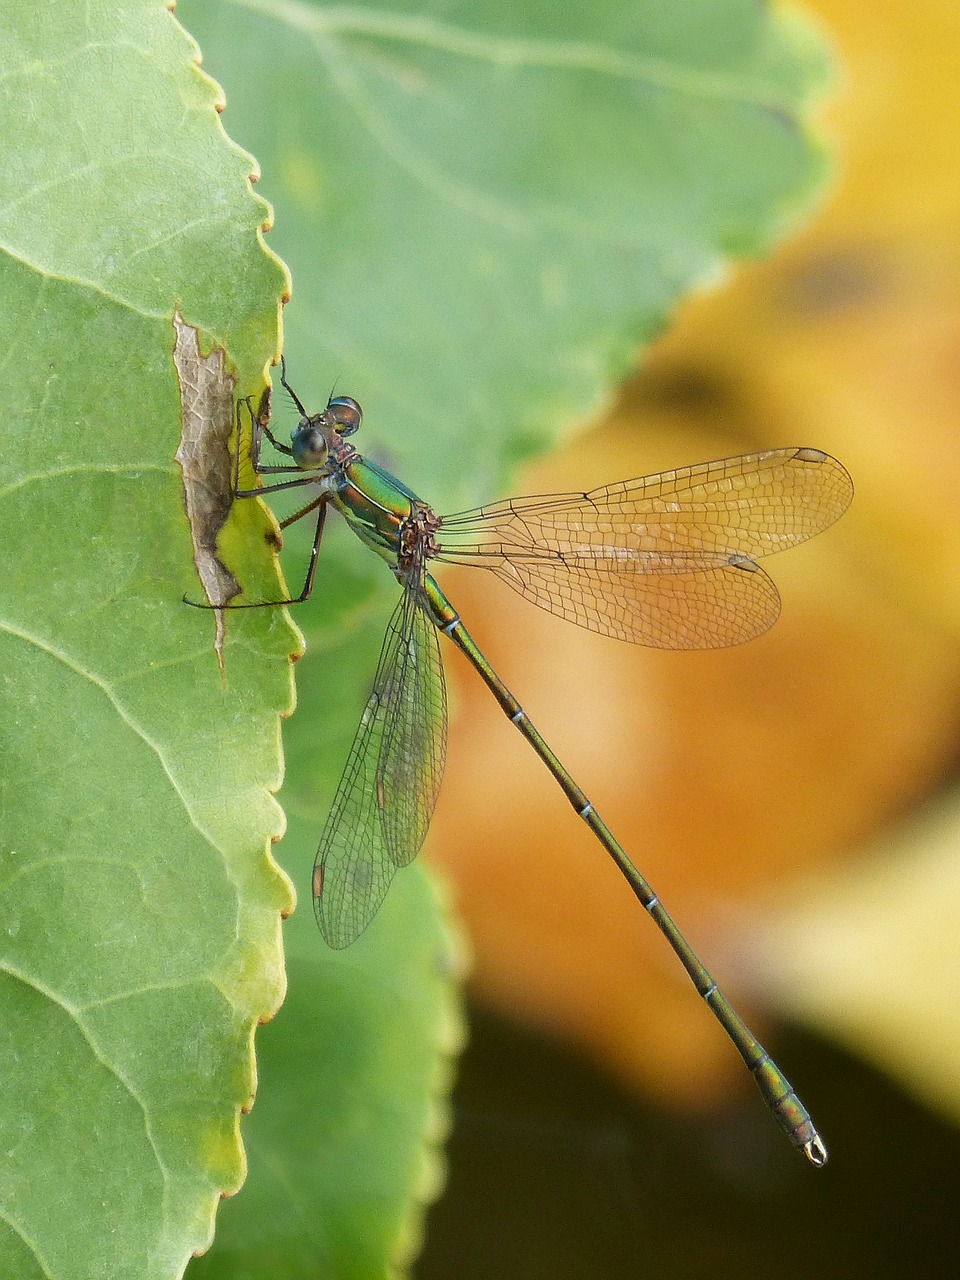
{"x":487,"y":208}
{"x":140,"y":905}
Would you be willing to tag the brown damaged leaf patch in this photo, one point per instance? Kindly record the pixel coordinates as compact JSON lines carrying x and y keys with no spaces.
{"x":206,"y":463}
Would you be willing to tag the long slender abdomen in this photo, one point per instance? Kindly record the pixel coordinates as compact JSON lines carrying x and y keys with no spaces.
{"x":776,"y":1090}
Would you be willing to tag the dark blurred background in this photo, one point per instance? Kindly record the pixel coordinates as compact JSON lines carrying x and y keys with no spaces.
{"x":624,"y":1190}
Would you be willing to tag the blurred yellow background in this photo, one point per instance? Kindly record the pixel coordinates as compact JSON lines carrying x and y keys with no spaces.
{"x":768,"y":792}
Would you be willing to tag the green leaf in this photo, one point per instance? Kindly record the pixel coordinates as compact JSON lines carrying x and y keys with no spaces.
{"x":488,"y":207}
{"x":353,"y":1076}
{"x":140,"y":912}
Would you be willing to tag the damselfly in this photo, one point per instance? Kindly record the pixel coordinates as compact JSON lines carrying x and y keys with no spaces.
{"x":668,"y":560}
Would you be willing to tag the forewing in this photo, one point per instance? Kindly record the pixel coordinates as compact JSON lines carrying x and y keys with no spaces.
{"x":666,"y":560}
{"x":389,"y":787}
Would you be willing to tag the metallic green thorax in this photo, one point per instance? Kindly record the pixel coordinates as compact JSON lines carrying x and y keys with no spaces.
{"x":375,"y":505}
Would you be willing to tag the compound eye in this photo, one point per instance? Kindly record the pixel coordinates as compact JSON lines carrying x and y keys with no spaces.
{"x":345,"y":414}
{"x":309,"y":447}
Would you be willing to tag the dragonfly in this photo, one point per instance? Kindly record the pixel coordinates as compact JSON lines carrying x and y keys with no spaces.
{"x":667,"y":560}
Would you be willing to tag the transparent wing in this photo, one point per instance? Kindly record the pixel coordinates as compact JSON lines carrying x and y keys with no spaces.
{"x":666,"y":560}
{"x":389,"y":787}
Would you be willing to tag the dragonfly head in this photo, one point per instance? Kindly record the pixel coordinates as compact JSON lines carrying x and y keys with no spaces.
{"x":317,"y":440}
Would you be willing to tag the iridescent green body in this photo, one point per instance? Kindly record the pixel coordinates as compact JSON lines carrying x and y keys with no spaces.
{"x":668,"y":560}
{"x":374,"y":505}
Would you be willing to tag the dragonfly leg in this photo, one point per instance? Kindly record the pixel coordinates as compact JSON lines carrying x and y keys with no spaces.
{"x":280,"y":448}
{"x":289,"y":390}
{"x":273,"y":488}
{"x":320,"y":502}
{"x":258,"y":429}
